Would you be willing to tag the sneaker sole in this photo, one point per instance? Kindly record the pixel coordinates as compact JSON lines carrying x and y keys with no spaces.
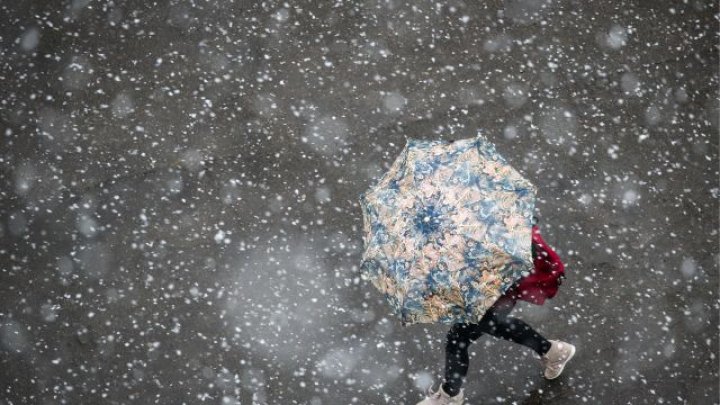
{"x":570,"y":356}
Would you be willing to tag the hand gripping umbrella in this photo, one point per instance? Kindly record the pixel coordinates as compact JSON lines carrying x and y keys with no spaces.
{"x":447,"y":230}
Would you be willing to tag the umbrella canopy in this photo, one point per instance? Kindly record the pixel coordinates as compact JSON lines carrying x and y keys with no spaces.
{"x":447,"y":230}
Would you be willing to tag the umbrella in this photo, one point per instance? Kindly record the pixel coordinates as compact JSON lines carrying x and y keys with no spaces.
{"x":447,"y":230}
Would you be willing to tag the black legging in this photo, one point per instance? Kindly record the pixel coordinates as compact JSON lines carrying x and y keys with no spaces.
{"x":496,"y":322}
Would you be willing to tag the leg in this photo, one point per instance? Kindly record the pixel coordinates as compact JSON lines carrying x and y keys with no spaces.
{"x":459,"y":337}
{"x":516,"y":330}
{"x":498,"y":323}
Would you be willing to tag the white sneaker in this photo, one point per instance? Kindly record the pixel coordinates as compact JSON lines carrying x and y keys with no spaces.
{"x":440,"y":397}
{"x":555,"y":359}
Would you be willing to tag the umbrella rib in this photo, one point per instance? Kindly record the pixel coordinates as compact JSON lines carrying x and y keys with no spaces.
{"x":397,"y":246}
{"x":467,"y":190}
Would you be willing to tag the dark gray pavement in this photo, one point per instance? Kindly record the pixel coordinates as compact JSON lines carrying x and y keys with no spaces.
{"x":179,"y":212}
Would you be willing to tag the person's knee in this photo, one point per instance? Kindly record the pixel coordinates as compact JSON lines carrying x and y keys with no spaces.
{"x":458,"y":337}
{"x":493,"y":316}
{"x":492,"y":321}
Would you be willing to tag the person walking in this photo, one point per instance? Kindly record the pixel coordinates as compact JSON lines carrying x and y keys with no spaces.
{"x":542,"y":283}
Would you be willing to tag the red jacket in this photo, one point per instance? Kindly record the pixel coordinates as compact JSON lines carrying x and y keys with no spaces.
{"x":543,"y":282}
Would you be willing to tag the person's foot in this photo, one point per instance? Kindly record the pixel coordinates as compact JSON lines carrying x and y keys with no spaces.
{"x":440,"y":397}
{"x":555,"y":359}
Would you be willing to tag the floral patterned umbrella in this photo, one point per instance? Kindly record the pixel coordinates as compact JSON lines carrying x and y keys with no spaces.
{"x":447,"y":230}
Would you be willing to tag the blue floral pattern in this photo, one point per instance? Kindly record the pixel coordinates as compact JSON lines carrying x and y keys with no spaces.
{"x":447,"y":230}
